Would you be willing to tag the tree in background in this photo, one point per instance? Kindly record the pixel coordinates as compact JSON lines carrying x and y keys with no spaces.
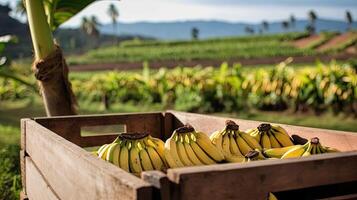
{"x":265,"y":26}
{"x":195,"y":33}
{"x":292,"y":20}
{"x":249,"y":30}
{"x":20,"y":8}
{"x":285,"y":25}
{"x":349,"y":19}
{"x":312,"y":19}
{"x":113,"y":14}
{"x":90,"y":27}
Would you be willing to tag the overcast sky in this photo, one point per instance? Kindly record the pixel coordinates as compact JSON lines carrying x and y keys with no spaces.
{"x":253,"y":11}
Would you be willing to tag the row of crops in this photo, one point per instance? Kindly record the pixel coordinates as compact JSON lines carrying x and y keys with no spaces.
{"x":227,"y":89}
{"x":212,"y":49}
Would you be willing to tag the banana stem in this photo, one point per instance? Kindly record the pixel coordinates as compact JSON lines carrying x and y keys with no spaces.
{"x":41,"y":34}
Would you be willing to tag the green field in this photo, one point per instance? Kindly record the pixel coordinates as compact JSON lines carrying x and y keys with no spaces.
{"x":212,"y":49}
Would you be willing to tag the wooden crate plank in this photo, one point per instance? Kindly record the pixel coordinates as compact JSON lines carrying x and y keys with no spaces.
{"x":38,"y":188}
{"x":74,"y":173}
{"x":69,"y":126}
{"x":23,"y":195}
{"x":255,"y":179}
{"x":160,"y":181}
{"x":23,"y":170}
{"x":342,"y":140}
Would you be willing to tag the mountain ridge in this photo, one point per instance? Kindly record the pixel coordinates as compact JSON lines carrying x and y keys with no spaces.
{"x":213,"y":28}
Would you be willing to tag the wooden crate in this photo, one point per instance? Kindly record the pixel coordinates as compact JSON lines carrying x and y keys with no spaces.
{"x":55,"y":164}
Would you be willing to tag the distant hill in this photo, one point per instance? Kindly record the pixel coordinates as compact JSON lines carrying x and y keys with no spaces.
{"x":210,"y":29}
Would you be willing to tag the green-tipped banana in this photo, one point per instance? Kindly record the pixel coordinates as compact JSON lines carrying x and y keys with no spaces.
{"x":182,"y":151}
{"x":135,"y":163}
{"x":171,"y":154}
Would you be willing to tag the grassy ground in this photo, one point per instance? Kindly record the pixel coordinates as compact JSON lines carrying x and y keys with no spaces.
{"x":11,"y":113}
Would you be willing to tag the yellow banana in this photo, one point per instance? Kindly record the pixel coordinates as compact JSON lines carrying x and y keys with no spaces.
{"x":159,"y":147}
{"x":279,"y":129}
{"x":171,"y":154}
{"x":182,"y":152}
{"x":265,"y":141}
{"x":234,"y":147}
{"x":283,"y":139}
{"x":225,"y":145}
{"x":124,"y":157}
{"x":307,"y":150}
{"x":294,"y":153}
{"x":113,"y":156}
{"x":155,"y":158}
{"x":253,"y":143}
{"x":243,"y":146}
{"x":204,"y":158}
{"x":205,"y":143}
{"x":135,"y":164}
{"x":101,"y":148}
{"x":235,"y":158}
{"x":272,"y":196}
{"x":103,"y":153}
{"x":274,"y":143}
{"x":145,"y":160}
{"x":191,"y":154}
{"x":279,"y":152}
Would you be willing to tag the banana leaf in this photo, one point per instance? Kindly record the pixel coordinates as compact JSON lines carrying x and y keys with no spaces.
{"x":59,"y":11}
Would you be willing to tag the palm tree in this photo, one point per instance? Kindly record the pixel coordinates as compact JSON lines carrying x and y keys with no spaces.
{"x":265,"y":25}
{"x":312,"y":19}
{"x":349,"y":19}
{"x":20,"y":8}
{"x":114,"y":14}
{"x":90,"y":27}
{"x":195,"y":33}
{"x":285,"y":25}
{"x":292,"y":21}
{"x":249,"y":30}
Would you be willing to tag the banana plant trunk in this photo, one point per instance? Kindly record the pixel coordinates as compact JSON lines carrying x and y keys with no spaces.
{"x":50,"y":67}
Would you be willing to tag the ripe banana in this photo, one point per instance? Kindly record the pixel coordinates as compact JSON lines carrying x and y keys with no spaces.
{"x":182,"y":152}
{"x":233,"y":143}
{"x":272,"y":196}
{"x":278,"y":152}
{"x":145,"y":160}
{"x":135,"y":152}
{"x":271,"y":136}
{"x":205,"y":143}
{"x":135,"y":163}
{"x":171,"y":154}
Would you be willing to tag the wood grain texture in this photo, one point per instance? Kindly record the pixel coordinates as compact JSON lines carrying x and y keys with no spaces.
{"x":160,"y":181}
{"x":254,"y":180}
{"x":74,"y":173}
{"x":23,"y":195}
{"x":344,"y":141}
{"x":23,"y":170}
{"x":69,"y":127}
{"x":38,"y":188}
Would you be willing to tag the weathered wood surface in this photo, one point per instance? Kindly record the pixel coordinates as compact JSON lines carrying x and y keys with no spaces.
{"x":38,"y":188}
{"x":161,"y":183}
{"x":69,"y":127}
{"x":254,"y":180}
{"x":344,"y":141}
{"x":76,"y":174}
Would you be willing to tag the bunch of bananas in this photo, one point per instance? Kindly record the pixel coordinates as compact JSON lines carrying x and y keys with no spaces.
{"x":187,"y":147}
{"x":310,"y":148}
{"x":233,"y":143}
{"x":271,"y":136}
{"x":135,"y":152}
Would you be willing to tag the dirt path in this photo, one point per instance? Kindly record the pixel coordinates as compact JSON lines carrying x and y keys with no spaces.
{"x":337,"y":41}
{"x":305,"y":42}
{"x":173,"y":64}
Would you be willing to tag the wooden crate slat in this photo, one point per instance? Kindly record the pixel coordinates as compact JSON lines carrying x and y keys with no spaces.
{"x":38,"y":189}
{"x":160,"y":181}
{"x":69,"y":126}
{"x":76,"y":174}
{"x":254,"y":180}
{"x":342,"y":140}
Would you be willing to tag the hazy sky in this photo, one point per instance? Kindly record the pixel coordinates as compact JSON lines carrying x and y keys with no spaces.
{"x":229,"y":10}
